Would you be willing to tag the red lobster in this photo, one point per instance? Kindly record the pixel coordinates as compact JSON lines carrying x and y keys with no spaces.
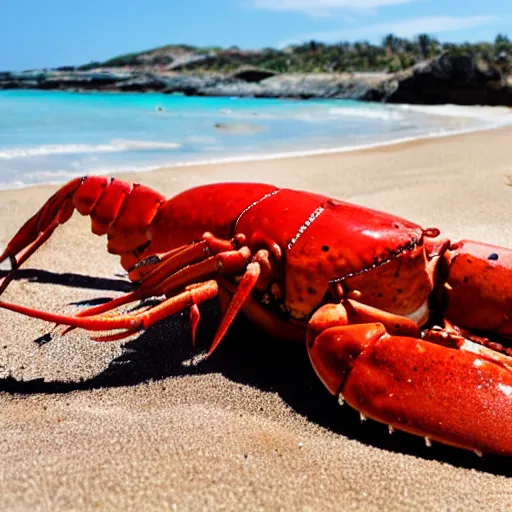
{"x":401,"y":324}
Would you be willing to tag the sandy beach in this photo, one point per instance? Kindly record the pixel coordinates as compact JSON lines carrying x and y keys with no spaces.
{"x":139,"y":426}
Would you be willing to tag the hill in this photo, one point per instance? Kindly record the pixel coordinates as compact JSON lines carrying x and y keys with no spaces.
{"x":394,"y":54}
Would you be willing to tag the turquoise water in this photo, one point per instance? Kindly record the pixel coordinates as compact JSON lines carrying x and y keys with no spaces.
{"x":52,"y":136}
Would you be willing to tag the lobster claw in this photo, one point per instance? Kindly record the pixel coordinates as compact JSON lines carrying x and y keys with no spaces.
{"x":478,"y":289}
{"x":460,"y":394}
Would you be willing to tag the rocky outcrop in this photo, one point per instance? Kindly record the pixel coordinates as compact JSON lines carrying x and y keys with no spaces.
{"x":66,"y":80}
{"x":464,"y":80}
{"x":302,"y":86}
{"x":321,"y":85}
{"x":245,"y":83}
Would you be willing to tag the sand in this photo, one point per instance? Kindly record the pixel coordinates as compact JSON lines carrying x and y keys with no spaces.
{"x":142,"y":426}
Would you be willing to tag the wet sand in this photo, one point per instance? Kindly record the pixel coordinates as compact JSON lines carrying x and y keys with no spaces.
{"x":142,"y":426}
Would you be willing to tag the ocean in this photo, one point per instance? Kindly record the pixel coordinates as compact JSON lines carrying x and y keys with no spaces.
{"x":52,"y":136}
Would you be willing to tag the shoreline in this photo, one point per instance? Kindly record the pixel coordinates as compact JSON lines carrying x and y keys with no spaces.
{"x":265,"y":157}
{"x":324,"y":151}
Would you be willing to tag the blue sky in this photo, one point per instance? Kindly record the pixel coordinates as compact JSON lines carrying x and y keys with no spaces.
{"x":49,"y":33}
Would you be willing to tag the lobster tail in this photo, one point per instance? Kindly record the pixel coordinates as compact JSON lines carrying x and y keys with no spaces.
{"x":57,"y":210}
{"x":118,"y":209}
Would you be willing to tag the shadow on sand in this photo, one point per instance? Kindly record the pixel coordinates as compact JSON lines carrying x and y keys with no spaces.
{"x":68,"y":279}
{"x":252,"y":357}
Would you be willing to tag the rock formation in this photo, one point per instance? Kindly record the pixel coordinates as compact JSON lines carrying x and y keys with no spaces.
{"x":463,"y":80}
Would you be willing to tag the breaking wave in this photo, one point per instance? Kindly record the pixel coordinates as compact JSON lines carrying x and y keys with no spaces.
{"x":114,"y":146}
{"x":368,"y":113}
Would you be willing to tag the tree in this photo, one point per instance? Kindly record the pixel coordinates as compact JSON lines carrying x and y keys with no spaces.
{"x":425,"y":43}
{"x":502,"y":43}
{"x":501,"y":39}
{"x":390,"y":42}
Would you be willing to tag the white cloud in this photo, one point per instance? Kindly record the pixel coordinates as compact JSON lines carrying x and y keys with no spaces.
{"x":406,"y":28}
{"x":323,"y":7}
{"x":310,"y":5}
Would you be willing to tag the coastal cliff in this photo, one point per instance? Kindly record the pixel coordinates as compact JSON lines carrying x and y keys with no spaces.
{"x":462,"y":79}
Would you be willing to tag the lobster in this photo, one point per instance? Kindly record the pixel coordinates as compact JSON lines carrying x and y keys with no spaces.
{"x":401,"y":324}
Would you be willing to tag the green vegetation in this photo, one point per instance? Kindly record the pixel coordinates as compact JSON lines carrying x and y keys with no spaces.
{"x":395,"y":53}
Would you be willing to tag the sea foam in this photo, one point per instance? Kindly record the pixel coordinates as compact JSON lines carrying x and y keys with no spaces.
{"x":115,"y":145}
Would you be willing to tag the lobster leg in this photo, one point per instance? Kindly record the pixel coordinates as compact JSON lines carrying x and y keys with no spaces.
{"x":129,"y":323}
{"x":156,"y":273}
{"x":173,"y":260}
{"x":178,"y":269}
{"x":231,"y":262}
{"x":458,"y":393}
{"x":244,"y":289}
